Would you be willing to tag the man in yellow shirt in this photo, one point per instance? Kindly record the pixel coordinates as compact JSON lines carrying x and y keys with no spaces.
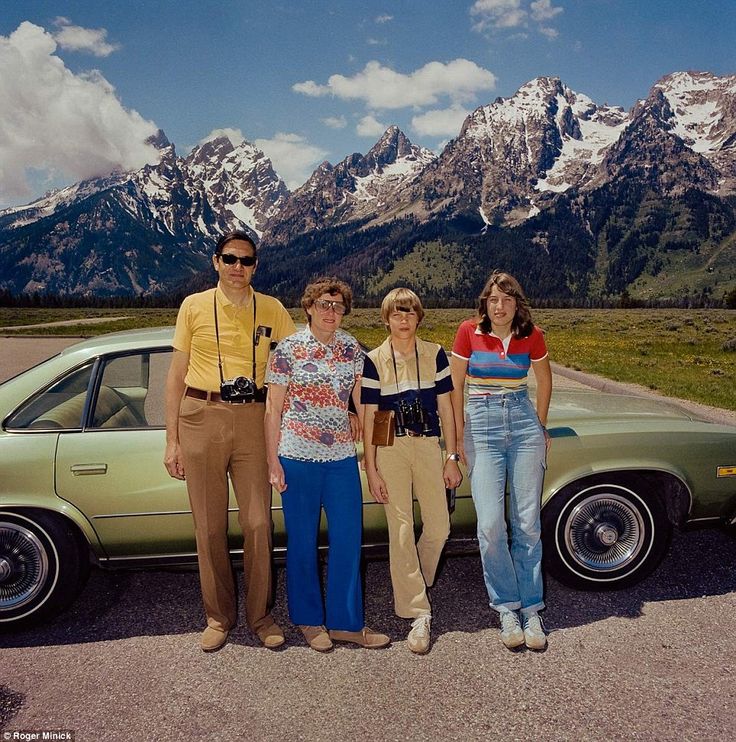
{"x":215,"y":403}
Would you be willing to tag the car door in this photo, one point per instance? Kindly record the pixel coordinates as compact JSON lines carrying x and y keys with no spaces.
{"x":112,"y":469}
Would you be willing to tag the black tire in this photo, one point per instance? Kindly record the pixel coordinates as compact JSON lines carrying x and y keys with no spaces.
{"x":43,"y":566}
{"x":605,"y":533}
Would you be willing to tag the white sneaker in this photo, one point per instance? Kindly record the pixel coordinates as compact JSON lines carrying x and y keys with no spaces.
{"x":418,"y":639}
{"x":511,"y":634}
{"x":534,"y":635}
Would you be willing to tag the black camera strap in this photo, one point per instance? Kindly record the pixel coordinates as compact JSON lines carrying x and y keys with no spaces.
{"x":396,"y":372}
{"x":217,"y":337}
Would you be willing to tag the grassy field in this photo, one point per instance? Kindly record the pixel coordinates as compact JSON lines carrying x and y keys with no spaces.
{"x":686,"y":353}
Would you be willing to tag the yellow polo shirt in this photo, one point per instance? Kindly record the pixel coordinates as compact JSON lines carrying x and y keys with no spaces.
{"x":195,"y":335}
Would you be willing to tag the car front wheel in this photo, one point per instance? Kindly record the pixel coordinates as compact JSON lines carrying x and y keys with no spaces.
{"x":42,"y":566}
{"x":605,"y":534}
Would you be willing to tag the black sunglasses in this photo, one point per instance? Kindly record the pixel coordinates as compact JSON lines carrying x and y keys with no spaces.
{"x":229,"y":259}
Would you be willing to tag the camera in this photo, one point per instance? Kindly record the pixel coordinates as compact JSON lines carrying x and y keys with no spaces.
{"x":411,"y":414}
{"x":239,"y":389}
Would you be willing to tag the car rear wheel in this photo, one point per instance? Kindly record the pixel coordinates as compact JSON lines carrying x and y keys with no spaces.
{"x":605,"y":534}
{"x":42,"y":566}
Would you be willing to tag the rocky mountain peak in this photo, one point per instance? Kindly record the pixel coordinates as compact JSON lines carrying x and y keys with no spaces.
{"x":212,"y":150}
{"x":355,"y":188}
{"x":159,"y":140}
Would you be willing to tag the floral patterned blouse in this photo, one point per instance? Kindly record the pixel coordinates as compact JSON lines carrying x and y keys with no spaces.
{"x":318,"y":379}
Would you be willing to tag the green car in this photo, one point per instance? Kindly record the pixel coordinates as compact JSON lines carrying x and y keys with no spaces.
{"x":82,"y":480}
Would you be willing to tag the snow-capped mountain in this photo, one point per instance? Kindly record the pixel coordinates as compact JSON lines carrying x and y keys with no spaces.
{"x":136,"y":232}
{"x":546,"y":137}
{"x":237,"y":182}
{"x":545,"y":146}
{"x":701,"y":111}
{"x":359,"y":187}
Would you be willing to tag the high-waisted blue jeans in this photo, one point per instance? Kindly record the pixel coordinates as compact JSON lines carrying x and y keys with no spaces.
{"x":334,"y":486}
{"x":504,"y":439}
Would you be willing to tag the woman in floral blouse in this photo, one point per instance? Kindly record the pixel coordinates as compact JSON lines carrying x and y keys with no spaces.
{"x":312,"y":462}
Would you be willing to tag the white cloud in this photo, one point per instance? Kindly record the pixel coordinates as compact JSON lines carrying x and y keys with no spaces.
{"x":79,"y":39}
{"x":384,"y":18}
{"x":335,"y":122}
{"x":57,"y":123}
{"x":292,"y":156}
{"x":381,"y":87}
{"x":495,"y":15}
{"x":444,"y":122}
{"x":543,"y":10}
{"x":234,"y":135}
{"x":550,"y":33}
{"x":369,"y":126}
{"x":375,"y":42}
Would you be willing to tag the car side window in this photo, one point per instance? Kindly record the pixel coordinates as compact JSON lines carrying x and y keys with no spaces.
{"x":58,"y":407}
{"x":131,"y":393}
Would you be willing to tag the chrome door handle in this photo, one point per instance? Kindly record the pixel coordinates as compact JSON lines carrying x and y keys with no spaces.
{"x":79,"y":470}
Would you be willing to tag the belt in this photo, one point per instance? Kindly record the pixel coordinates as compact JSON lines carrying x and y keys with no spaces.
{"x":260,"y":396}
{"x":412,"y":434}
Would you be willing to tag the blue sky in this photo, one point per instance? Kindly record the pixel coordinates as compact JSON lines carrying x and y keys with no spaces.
{"x":83,"y":83}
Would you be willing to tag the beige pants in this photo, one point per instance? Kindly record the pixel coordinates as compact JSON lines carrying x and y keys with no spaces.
{"x":217,"y":439}
{"x":414,"y":466}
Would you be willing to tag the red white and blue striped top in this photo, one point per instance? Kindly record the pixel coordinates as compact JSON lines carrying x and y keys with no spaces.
{"x":494,"y":365}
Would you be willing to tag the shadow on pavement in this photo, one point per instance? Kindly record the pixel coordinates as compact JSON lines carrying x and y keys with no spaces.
{"x":125,"y":604}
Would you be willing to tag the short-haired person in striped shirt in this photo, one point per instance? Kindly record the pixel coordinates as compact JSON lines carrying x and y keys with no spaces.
{"x":501,"y":436}
{"x":411,"y":377}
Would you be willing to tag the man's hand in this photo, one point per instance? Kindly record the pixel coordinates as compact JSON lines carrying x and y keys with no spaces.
{"x":377,"y":486}
{"x":172,"y":461}
{"x":452,"y":474}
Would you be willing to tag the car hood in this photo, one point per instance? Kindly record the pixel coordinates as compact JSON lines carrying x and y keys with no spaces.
{"x":570,"y":407}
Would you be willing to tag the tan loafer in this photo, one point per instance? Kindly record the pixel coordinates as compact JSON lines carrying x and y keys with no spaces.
{"x":366,"y":638}
{"x":317,"y":638}
{"x":272,"y":637}
{"x":212,"y":639}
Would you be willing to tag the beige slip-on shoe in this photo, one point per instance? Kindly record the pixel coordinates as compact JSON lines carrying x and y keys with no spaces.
{"x":366,"y":638}
{"x":317,"y":637}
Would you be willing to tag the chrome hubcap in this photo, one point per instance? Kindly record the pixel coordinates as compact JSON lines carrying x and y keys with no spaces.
{"x":24,"y":565}
{"x":604,"y":532}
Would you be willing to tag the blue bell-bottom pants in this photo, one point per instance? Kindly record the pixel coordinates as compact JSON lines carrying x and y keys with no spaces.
{"x":334,"y":486}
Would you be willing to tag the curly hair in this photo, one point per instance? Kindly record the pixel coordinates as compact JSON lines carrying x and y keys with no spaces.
{"x":522,"y":324}
{"x":326,"y":285}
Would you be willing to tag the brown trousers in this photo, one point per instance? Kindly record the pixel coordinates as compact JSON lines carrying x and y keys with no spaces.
{"x":217,"y":439}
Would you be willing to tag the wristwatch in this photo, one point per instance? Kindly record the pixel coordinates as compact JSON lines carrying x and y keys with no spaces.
{"x":453,"y":457}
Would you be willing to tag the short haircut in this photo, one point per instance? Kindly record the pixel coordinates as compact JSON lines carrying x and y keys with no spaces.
{"x":402,"y":299}
{"x":522,"y":324}
{"x":326,"y":285}
{"x":236,"y":234}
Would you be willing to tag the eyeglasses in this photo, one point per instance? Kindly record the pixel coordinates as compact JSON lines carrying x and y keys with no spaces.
{"x":229,"y":259}
{"x":323,"y":305}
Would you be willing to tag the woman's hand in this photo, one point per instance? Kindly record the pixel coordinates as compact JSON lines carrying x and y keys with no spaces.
{"x":276,"y":476}
{"x":356,"y":429}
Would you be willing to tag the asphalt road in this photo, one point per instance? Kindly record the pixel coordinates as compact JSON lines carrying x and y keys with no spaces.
{"x":654,"y":662}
